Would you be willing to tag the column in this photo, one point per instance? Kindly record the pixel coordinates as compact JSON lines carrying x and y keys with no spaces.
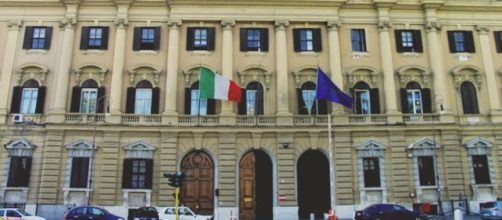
{"x":390,"y":90}
{"x":118,"y":66}
{"x":8,"y":63}
{"x":335,"y":62}
{"x":172,"y":68}
{"x":281,"y":65}
{"x":491,"y":81}
{"x":64,"y":67}
{"x":227,"y":60}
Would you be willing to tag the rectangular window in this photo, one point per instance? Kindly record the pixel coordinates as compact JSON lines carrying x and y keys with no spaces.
{"x":498,"y":41}
{"x":95,"y":38}
{"x":309,"y":100}
{"x":358,"y":37}
{"x":19,"y":172}
{"x":251,"y":102}
{"x":371,"y":168}
{"x":195,"y":110}
{"x":29,"y":100}
{"x":254,"y":39}
{"x":88,"y":98}
{"x":362,"y":104}
{"x":143,"y":102}
{"x":408,"y":41}
{"x":461,"y":42}
{"x":79,"y":172}
{"x":138,"y":174}
{"x":414,"y":101}
{"x":307,"y":39}
{"x":37,"y":37}
{"x":146,"y":38}
{"x":481,"y":169}
{"x":426,"y":171}
{"x":199,"y":38}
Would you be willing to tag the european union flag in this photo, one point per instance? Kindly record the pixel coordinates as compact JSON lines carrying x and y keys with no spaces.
{"x":326,"y":89}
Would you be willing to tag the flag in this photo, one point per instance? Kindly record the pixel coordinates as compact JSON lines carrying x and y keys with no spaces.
{"x":326,"y":89}
{"x":215,"y":86}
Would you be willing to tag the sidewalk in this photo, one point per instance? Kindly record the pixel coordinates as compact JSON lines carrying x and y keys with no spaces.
{"x":450,"y":217}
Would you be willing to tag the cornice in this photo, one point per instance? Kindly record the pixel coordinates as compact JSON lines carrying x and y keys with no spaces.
{"x":31,"y":4}
{"x":314,"y":3}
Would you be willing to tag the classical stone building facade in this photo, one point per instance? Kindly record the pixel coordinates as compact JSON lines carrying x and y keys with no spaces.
{"x":108,"y":89}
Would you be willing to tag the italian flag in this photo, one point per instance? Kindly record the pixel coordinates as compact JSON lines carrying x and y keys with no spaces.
{"x":214,"y":86}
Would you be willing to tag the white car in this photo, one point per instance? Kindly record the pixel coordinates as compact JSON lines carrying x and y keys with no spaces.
{"x":185,"y":213}
{"x":17,"y":214}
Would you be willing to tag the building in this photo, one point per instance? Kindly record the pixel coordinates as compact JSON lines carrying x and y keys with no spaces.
{"x":109,"y":89}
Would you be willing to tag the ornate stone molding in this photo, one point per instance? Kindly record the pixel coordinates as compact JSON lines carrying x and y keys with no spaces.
{"x":433,"y":26}
{"x":305,"y":74}
{"x":423,"y":147}
{"x":362,"y":73}
{"x":334,"y":25}
{"x":281,"y":25}
{"x":31,"y":71}
{"x":80,"y":148}
{"x":68,"y":23}
{"x":94,"y":72}
{"x":479,"y":146}
{"x":139,"y":149}
{"x":414,"y":73}
{"x":384,"y":25}
{"x":467,"y":73}
{"x":481,"y":29}
{"x":144,"y":72}
{"x":20,"y":148}
{"x":255,"y":73}
{"x":14,"y":24}
{"x":228,"y":24}
{"x":174,"y":24}
{"x":370,"y":148}
{"x":121,"y":22}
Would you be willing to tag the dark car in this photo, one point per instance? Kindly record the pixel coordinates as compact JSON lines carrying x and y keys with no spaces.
{"x":388,"y":212}
{"x":90,"y":212}
{"x":143,"y":213}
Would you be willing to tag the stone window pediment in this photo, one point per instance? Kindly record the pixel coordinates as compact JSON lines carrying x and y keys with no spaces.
{"x":418,"y":74}
{"x":467,"y":73}
{"x":478,"y":146}
{"x":365,"y":74}
{"x":305,"y":74}
{"x":144,"y":72}
{"x":95,"y":72}
{"x":255,"y":73}
{"x":370,"y":148}
{"x":31,"y":71}
{"x":423,"y":147}
{"x":20,"y":147}
{"x":80,"y":148}
{"x":139,"y":149}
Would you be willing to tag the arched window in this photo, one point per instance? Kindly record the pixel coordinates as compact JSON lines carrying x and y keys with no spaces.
{"x":252,"y":100}
{"x":366,"y":100}
{"x":143,"y":99}
{"x":415,"y":100}
{"x":469,"y":98}
{"x":194,"y":105}
{"x":307,"y":102}
{"x":28,"y":98}
{"x":84,"y":98}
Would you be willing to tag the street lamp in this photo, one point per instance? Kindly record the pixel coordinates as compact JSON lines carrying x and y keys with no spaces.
{"x":94,"y":123}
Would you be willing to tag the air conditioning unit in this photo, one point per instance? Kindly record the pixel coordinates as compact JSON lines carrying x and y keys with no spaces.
{"x":17,"y":118}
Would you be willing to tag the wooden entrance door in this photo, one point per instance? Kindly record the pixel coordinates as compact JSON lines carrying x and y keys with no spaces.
{"x":198,"y":187}
{"x":247,"y":205}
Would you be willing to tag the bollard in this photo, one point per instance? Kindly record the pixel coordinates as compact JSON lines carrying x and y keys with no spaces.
{"x":312,"y":216}
{"x":458,"y":214}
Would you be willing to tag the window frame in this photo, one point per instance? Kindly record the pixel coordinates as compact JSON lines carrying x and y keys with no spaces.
{"x":93,"y":39}
{"x":498,"y":40}
{"x":137,"y":173}
{"x":143,"y":104}
{"x":19,"y":180}
{"x":359,"y":100}
{"x":359,"y":43}
{"x":253,"y":39}
{"x":478,"y":172}
{"x":28,"y":105}
{"x":147,"y":39}
{"x":38,"y":41}
{"x":86,"y":95}
{"x":82,"y":178}
{"x":195,"y":101}
{"x":205,"y":42}
{"x":461,"y":41}
{"x":469,"y":98}
{"x":426,"y":172}
{"x":371,"y":177}
{"x":415,"y":105}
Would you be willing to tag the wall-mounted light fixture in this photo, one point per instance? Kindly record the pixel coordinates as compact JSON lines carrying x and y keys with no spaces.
{"x":284,"y":144}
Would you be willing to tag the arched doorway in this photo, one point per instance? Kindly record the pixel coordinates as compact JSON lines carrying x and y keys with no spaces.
{"x":313,"y":184}
{"x":255,"y":184}
{"x":198,"y":187}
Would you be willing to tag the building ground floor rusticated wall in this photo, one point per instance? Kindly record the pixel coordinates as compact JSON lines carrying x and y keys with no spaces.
{"x":218,"y":158}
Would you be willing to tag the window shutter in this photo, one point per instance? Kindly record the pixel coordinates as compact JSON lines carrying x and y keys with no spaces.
{"x":84,"y":38}
{"x":211,"y":106}
{"x":498,"y":40}
{"x":469,"y":40}
{"x":126,"y":174}
{"x":363,"y":41}
{"x":156,"y":44}
{"x":27,"y":173}
{"x":155,"y":100}
{"x":48,"y":38}
{"x":264,"y":39}
{"x":399,"y":41}
{"x":316,"y":37}
{"x":16,"y":99}
{"x":451,"y":42}
{"x":426,"y":100}
{"x":13,"y":170}
{"x":136,"y":44}
{"x":404,"y":101}
{"x":101,"y":105}
{"x":296,"y":39}
{"x":28,"y":37}
{"x":19,"y":176}
{"x":375,"y":101}
{"x":131,"y":99}
{"x":210,"y":39}
{"x":302,"y":109}
{"x":40,"y":100}
{"x":259,"y":102}
{"x":75,"y":99}
{"x":323,"y":107}
{"x":417,"y":41}
{"x":79,"y":171}
{"x":104,"y":38}
{"x":242,"y":106}
{"x":149,"y":173}
{"x":188,"y":100}
{"x":190,"y":38}
{"x":244,"y":39}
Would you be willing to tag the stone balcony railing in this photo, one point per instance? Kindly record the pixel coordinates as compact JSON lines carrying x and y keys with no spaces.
{"x":249,"y":121}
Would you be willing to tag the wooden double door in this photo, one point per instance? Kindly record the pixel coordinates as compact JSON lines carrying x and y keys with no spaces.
{"x":255,"y":184}
{"x":197,"y":191}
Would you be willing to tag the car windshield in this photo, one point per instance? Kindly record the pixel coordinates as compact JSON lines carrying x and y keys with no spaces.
{"x":487,"y":205}
{"x":24,"y":213}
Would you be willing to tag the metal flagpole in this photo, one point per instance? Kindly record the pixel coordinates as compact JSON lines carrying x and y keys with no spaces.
{"x":332,"y":176}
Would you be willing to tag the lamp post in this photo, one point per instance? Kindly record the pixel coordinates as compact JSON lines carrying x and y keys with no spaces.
{"x":91,"y":167}
{"x":439,"y":102}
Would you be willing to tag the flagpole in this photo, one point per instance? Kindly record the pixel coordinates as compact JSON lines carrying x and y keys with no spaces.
{"x":331,"y":164}
{"x":198,"y":99}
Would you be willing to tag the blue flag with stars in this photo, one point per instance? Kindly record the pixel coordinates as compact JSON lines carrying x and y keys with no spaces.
{"x":327,"y":90}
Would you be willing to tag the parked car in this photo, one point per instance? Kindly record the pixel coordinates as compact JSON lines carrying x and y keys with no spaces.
{"x":144,"y":213}
{"x":90,"y":212}
{"x":491,"y":210}
{"x":185,"y":213}
{"x":17,"y":214}
{"x":388,"y":212}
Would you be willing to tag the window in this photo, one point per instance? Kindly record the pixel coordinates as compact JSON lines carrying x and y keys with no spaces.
{"x":252,"y":100}
{"x":137,"y":174}
{"x":13,"y":213}
{"x":28,"y":99}
{"x":371,"y":170}
{"x":19,"y":171}
{"x":146,"y":38}
{"x":408,"y":41}
{"x":143,"y":99}
{"x":200,"y":39}
{"x":254,"y":39}
{"x":88,"y":99}
{"x":415,"y":100}
{"x":196,"y":102}
{"x":37,"y":37}
{"x":498,"y":40}
{"x":94,"y":38}
{"x":481,"y":169}
{"x":358,"y":37}
{"x":469,"y":98}
{"x":307,"y":40}
{"x":194,"y":105}
{"x":84,"y":99}
{"x":461,"y":42}
{"x":366,"y":100}
{"x":426,"y":171}
{"x":307,"y":102}
{"x":79,"y":172}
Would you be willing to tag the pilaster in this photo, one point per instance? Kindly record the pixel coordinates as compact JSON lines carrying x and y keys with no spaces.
{"x":118,"y":65}
{"x":227,"y":61}
{"x":282,"y":67}
{"x":168,"y":164}
{"x":335,"y":61}
{"x":8,"y":64}
{"x":228,"y":184}
{"x":172,"y":69}
{"x":286,"y":169}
